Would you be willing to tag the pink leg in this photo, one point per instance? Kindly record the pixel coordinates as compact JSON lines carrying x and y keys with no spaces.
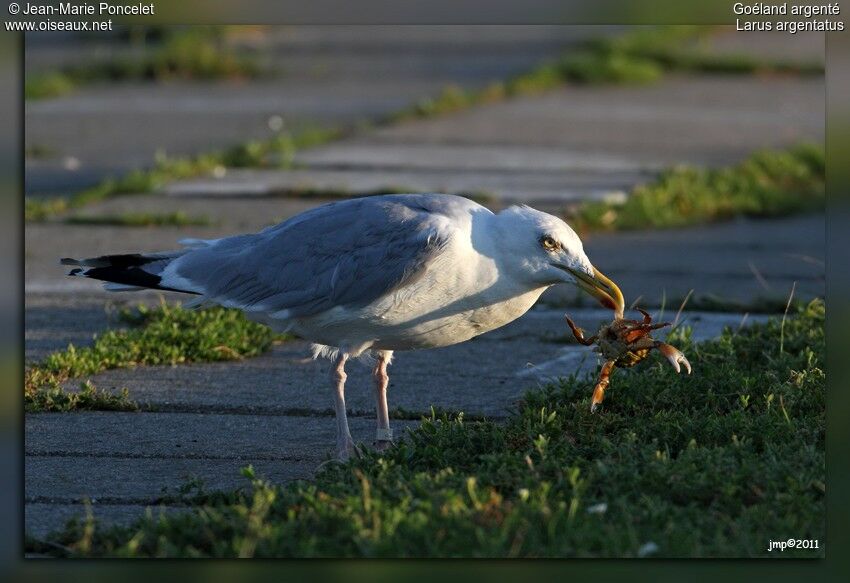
{"x":344,"y":443}
{"x":383,"y":433}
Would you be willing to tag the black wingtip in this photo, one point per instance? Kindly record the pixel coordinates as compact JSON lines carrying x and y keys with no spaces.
{"x":69,"y":261}
{"x":77,"y":271}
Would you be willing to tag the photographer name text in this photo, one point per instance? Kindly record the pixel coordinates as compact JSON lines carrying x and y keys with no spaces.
{"x":97,"y":9}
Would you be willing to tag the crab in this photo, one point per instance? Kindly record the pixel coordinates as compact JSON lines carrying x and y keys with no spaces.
{"x":625,"y":343}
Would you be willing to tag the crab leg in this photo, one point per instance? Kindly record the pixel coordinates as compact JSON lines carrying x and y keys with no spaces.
{"x":579,"y":333}
{"x":647,"y":319}
{"x":599,"y":389}
{"x":674,"y":355}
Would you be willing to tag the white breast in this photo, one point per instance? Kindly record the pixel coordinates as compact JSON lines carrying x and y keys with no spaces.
{"x":460,"y":295}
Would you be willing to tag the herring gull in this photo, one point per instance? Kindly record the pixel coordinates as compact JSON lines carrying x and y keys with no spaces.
{"x":374,"y":275}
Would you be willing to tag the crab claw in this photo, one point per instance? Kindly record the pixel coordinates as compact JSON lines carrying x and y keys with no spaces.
{"x":598,"y":396}
{"x":599,"y":389}
{"x":675,"y":356}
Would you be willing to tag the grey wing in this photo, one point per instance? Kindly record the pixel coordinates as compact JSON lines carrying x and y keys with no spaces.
{"x":343,"y":254}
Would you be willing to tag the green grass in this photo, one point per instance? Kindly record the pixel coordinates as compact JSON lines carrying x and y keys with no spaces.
{"x":194,"y":53}
{"x":680,"y":48}
{"x":175,"y":219}
{"x":767,"y":184}
{"x":38,"y":152}
{"x":165,"y":335}
{"x":709,"y":465}
{"x":47,"y":85}
{"x":43,"y":392}
{"x":274,"y":152}
{"x":637,"y":57}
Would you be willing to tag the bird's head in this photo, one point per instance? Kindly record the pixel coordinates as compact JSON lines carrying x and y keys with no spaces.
{"x":544,"y":250}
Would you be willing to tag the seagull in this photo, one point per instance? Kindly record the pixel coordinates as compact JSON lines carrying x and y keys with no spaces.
{"x":371,"y":276}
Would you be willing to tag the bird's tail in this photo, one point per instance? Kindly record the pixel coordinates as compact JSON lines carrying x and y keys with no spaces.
{"x":130,"y":272}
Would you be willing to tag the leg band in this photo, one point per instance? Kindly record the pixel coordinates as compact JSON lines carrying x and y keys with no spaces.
{"x":383,"y":434}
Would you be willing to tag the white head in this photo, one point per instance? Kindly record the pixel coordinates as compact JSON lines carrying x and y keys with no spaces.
{"x":543,"y":250}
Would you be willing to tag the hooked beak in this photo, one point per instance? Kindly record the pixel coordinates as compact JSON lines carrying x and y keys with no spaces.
{"x":602,"y":288}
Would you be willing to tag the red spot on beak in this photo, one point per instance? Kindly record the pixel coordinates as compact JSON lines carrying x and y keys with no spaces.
{"x":608,"y":303}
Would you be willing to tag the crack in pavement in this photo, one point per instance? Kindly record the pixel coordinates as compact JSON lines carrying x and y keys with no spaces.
{"x":111,"y":501}
{"x":150,"y":456}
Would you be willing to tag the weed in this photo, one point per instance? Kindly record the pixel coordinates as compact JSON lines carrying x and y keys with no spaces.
{"x":276,"y":151}
{"x":636,"y":57}
{"x":200,"y":53}
{"x":47,"y":85}
{"x":767,"y":184}
{"x":609,"y":67}
{"x":39,"y":152}
{"x":677,"y":48}
{"x":166,"y":335}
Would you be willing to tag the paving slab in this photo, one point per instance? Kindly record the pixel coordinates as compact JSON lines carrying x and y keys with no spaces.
{"x":570,"y":144}
{"x":496,"y":158}
{"x":125,"y":462}
{"x":507,"y":187}
{"x":288,"y":381}
{"x":47,"y":327}
{"x":324,"y":76}
{"x":363,"y":73}
{"x":242,"y":438}
{"x":708,"y":120}
{"x":739,"y":260}
{"x":117,"y":479}
{"x":801,"y":47}
{"x":40,"y":519}
{"x":507,"y":362}
{"x":53,"y":321}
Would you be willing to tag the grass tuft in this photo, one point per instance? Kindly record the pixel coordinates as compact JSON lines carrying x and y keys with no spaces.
{"x":678,"y":49}
{"x":166,"y":335}
{"x":709,"y":465}
{"x":192,"y":53}
{"x":277,"y":151}
{"x":637,"y":57}
{"x":48,"y":85}
{"x":594,"y":68}
{"x":767,"y":184}
{"x":44,"y":392}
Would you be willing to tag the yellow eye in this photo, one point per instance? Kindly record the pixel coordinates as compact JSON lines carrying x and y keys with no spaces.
{"x":549,"y":243}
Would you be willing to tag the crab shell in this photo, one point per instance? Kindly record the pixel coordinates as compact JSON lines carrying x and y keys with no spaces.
{"x":626,"y":342}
